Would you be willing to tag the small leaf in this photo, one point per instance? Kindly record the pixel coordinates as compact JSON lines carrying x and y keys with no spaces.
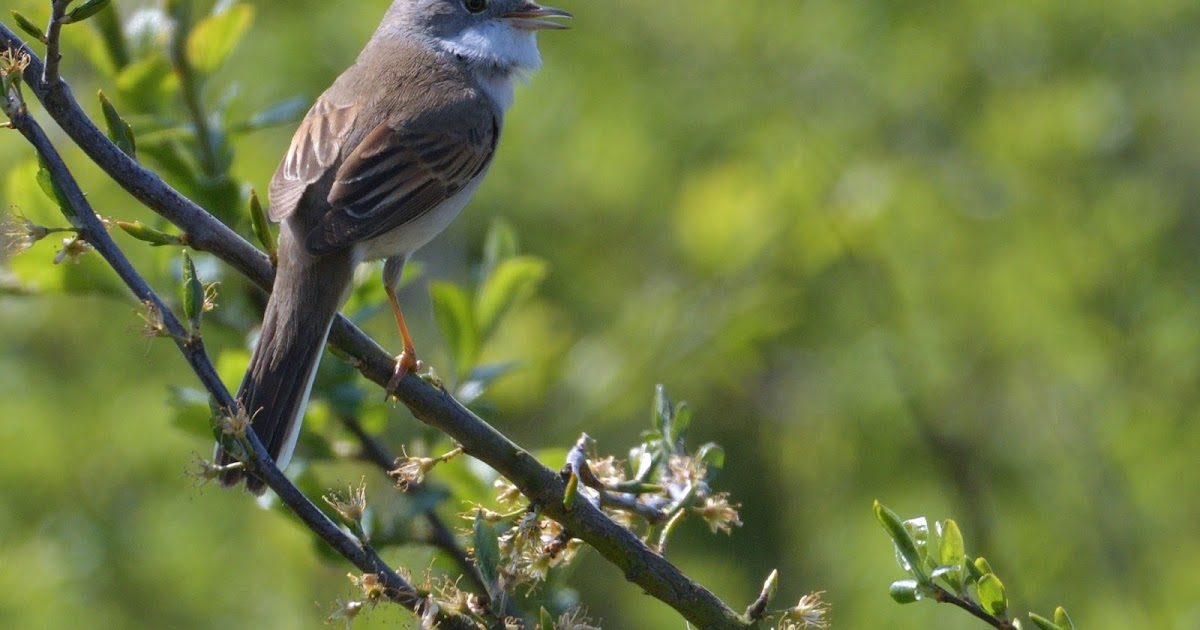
{"x":991,"y":595}
{"x":86,"y":10}
{"x":147,"y":84}
{"x":664,"y":414}
{"x":487,"y":552}
{"x":52,"y":190}
{"x":192,"y":412}
{"x":119,"y":131}
{"x":510,"y":282}
{"x":1062,"y":619}
{"x":500,"y":244}
{"x":756,"y":610}
{"x":712,"y":456}
{"x":452,"y":310}
{"x":108,"y":25}
{"x":951,"y":553}
{"x":1043,"y":623}
{"x":147,"y":234}
{"x":905,"y":591}
{"x":33,"y":30}
{"x":288,"y":111}
{"x":545,"y":621}
{"x":480,"y":377}
{"x":973,"y":572}
{"x":983,"y":566}
{"x":261,"y":226}
{"x":683,"y":419}
{"x":647,"y":463}
{"x":214,"y":38}
{"x":193,"y":294}
{"x":908,"y":555}
{"x":571,"y":493}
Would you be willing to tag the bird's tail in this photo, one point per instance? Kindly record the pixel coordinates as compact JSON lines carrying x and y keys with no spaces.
{"x":274,"y":393}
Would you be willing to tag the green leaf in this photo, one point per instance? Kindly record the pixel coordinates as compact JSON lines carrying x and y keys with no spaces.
{"x":991,"y":595}
{"x":479,"y":378}
{"x":973,"y":572}
{"x":1043,"y":623}
{"x":193,"y":294}
{"x":905,"y":591}
{"x":500,"y":244}
{"x":983,"y":566}
{"x":510,"y":282}
{"x":288,"y":111}
{"x":214,"y":38}
{"x":487,"y":552}
{"x":452,"y":310}
{"x":952,"y":553}
{"x":30,"y":28}
{"x":679,"y":426}
{"x":1062,"y":619}
{"x":571,"y":493}
{"x":147,"y":234}
{"x":712,"y":456}
{"x":260,"y":225}
{"x":648,"y":463}
{"x":951,"y":550}
{"x":108,"y":26}
{"x":545,"y":621}
{"x":192,"y":412}
{"x":119,"y":131}
{"x":663,"y":416}
{"x":148,"y":84}
{"x":907,"y":553}
{"x":86,"y":10}
{"x":54,"y":192}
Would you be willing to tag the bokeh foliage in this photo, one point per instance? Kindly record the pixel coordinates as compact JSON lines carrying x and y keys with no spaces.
{"x":939,"y":254}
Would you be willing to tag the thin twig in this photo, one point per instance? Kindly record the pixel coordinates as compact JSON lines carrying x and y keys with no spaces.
{"x":191,"y":83}
{"x":946,"y":597}
{"x":58,"y":10}
{"x":431,"y":405}
{"x":440,"y":535}
{"x":577,"y":463}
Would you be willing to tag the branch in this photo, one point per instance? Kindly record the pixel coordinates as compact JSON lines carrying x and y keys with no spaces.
{"x":92,"y":230}
{"x":944,"y":596}
{"x":58,"y":11}
{"x":431,"y":405}
{"x":440,"y":535}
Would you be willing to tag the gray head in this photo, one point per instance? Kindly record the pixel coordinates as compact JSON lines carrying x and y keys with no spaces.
{"x":499,"y":34}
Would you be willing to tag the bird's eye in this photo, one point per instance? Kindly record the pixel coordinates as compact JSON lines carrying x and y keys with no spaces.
{"x":475,"y":6}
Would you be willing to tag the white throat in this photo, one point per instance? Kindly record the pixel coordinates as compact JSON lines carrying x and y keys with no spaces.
{"x":498,"y":55}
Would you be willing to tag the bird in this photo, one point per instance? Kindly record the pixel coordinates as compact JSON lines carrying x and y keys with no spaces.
{"x":384,"y":160}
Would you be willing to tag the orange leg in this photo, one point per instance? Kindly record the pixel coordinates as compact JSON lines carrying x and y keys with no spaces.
{"x":407,"y":362}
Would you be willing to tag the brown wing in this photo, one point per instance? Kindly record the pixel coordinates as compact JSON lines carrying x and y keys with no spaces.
{"x":402,"y":170}
{"x":315,"y":147}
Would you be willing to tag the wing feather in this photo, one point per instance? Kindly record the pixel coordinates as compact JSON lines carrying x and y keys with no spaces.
{"x":315,"y":147}
{"x":399,"y":172}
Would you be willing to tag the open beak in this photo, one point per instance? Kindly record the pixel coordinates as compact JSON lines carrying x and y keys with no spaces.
{"x":529,"y":16}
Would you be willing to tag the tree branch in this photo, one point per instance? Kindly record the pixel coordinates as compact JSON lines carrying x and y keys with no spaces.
{"x":946,"y":597}
{"x":440,"y":535}
{"x":431,"y":405}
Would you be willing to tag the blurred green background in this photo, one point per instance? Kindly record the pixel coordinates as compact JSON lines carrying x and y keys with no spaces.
{"x":943,"y":255}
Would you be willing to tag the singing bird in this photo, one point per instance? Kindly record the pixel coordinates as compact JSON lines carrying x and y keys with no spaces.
{"x":383,"y":162}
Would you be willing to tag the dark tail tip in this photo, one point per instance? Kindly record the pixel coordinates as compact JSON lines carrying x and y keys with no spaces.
{"x":233,"y":477}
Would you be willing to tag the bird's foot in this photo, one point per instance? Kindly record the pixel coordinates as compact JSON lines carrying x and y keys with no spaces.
{"x":407,"y":363}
